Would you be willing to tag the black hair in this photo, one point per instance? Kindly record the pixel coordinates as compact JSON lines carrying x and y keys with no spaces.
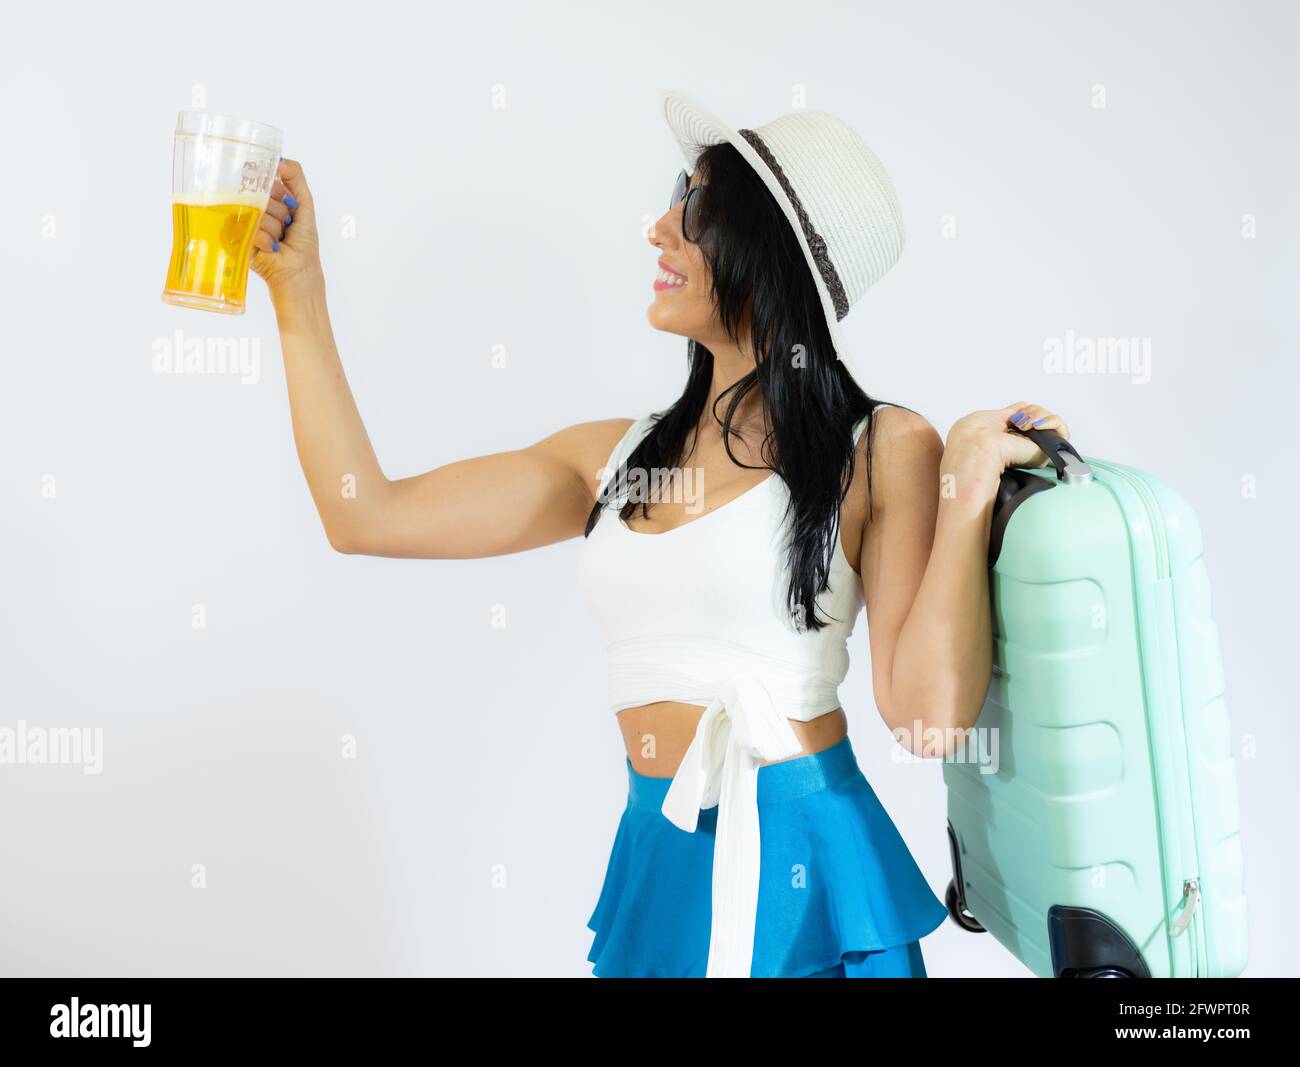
{"x":810,"y":399}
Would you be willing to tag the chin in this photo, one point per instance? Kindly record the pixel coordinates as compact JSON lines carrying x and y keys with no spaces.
{"x":660,"y":319}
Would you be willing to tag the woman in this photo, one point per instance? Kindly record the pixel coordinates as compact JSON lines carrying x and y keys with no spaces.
{"x":730,"y":543}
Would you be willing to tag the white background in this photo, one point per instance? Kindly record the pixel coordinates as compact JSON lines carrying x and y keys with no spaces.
{"x":520,"y":226}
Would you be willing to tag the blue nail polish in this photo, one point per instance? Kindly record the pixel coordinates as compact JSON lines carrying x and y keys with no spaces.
{"x":1017,"y":417}
{"x":1037,"y":421}
{"x":275,"y":245}
{"x":290,"y":202}
{"x":288,"y":219}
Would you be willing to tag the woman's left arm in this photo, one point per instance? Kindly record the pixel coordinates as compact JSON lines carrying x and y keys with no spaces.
{"x":925,"y":565}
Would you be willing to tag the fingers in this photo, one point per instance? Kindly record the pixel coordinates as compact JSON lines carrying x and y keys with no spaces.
{"x":292,"y":186}
{"x":1034,"y":417}
{"x":275,"y":221}
{"x":1029,"y":417}
{"x":272,"y":228}
{"x":276,"y":208}
{"x":290,"y":197}
{"x":290,"y":200}
{"x":264,"y":242}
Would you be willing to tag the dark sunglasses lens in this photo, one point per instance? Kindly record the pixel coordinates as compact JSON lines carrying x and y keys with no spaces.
{"x":691,"y":217}
{"x":679,"y":188}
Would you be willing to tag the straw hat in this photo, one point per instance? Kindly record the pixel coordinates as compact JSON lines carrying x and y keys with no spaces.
{"x":834,"y":191}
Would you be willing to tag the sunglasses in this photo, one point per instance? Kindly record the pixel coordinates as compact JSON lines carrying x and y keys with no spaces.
{"x":683,"y":190}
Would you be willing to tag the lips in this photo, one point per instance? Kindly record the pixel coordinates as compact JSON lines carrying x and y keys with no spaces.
{"x":667,"y":278}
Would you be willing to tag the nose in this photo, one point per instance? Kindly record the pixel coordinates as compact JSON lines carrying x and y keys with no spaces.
{"x":666,"y":232}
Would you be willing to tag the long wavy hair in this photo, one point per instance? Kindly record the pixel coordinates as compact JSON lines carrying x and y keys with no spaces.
{"x":810,"y":399}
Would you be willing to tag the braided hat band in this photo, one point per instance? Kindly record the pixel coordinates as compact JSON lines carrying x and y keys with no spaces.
{"x":834,"y":191}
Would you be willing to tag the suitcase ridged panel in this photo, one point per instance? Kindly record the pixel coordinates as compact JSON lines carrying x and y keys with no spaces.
{"x":1076,"y":742}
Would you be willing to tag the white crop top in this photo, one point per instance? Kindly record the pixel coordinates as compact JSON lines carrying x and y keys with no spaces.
{"x":699,"y":615}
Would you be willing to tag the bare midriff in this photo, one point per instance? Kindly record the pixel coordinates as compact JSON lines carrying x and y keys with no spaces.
{"x":657,"y":736}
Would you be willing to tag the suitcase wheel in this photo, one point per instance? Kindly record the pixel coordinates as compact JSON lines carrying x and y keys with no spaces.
{"x":957,"y":910}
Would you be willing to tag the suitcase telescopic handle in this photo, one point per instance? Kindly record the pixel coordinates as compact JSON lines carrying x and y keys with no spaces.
{"x":1070,"y":466}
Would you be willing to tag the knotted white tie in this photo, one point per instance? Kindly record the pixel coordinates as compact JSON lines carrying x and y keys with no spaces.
{"x":740,"y":729}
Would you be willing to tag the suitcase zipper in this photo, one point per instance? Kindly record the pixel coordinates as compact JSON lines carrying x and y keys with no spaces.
{"x":1153,"y":513}
{"x":1187,"y":916}
{"x":1191,"y":898}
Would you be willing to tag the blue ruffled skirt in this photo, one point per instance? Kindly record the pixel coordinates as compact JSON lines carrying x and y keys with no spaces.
{"x":839,"y":893}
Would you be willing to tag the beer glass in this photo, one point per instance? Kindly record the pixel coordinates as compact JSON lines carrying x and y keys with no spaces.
{"x":222,"y":171}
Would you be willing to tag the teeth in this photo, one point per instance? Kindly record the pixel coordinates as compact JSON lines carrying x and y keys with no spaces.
{"x":670,"y":279}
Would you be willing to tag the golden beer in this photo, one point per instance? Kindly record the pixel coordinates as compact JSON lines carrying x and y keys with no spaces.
{"x":223,"y":169}
{"x":212,"y":247}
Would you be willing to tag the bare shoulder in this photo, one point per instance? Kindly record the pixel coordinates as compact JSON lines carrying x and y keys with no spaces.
{"x":906,"y":451}
{"x":905,"y":454}
{"x":584,"y":447}
{"x":587,"y":435}
{"x":901,"y":430}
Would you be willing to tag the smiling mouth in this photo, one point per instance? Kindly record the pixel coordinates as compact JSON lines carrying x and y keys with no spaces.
{"x":666,"y":279}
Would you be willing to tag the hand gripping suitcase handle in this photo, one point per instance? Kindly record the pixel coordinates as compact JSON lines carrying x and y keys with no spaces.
{"x":1016,"y":486}
{"x":1070,"y":466}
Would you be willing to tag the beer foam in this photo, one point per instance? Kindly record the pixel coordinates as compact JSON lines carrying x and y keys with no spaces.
{"x":215,"y":199}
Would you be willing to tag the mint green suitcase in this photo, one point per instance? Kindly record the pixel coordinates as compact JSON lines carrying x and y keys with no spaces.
{"x":1093,"y":820}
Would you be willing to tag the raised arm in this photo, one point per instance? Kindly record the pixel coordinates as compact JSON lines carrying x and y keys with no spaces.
{"x":485,"y":506}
